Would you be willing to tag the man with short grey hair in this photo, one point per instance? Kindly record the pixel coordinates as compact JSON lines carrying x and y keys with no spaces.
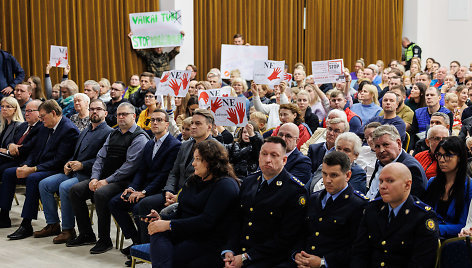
{"x":426,"y":158}
{"x":388,"y":148}
{"x":92,"y":89}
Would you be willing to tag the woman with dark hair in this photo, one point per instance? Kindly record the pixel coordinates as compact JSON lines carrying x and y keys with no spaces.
{"x":429,"y":65}
{"x":450,"y":192}
{"x":290,"y":113}
{"x":197,"y":232}
{"x":190,"y":107}
{"x":35,"y":83}
{"x":417,"y":96}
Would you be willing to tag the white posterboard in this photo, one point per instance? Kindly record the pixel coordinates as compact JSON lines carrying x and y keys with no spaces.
{"x":241,"y":58}
{"x":328,"y":71}
{"x":174,"y":83}
{"x":58,"y":57}
{"x":269,"y":72}
{"x":204,"y":96}
{"x":229,"y":111}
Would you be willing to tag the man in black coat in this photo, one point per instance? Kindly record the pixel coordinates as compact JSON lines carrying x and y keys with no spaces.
{"x":271,"y":214}
{"x":12,"y":73}
{"x":397,"y":230}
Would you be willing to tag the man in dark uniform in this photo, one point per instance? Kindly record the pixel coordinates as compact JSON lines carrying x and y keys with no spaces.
{"x":397,"y":230}
{"x":272,"y":212}
{"x":333,"y":217}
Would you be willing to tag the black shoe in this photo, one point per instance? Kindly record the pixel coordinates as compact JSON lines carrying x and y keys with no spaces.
{"x":5,"y":223}
{"x":128,"y":263}
{"x":21,"y":232}
{"x":103,"y":245}
{"x":81,"y":240}
{"x":126,"y":250}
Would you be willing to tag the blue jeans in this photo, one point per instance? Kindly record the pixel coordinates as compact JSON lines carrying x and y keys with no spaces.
{"x":47,"y":187}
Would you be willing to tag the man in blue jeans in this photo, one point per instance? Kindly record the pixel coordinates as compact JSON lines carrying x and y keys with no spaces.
{"x":78,"y":168}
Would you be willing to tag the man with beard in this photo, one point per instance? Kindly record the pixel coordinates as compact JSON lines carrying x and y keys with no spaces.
{"x":116,"y":94}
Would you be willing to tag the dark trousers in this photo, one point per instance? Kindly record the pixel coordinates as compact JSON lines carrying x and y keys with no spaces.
{"x":6,"y":163}
{"x":7,"y":191}
{"x":144,"y":207}
{"x":78,"y":195}
{"x":120,"y":209}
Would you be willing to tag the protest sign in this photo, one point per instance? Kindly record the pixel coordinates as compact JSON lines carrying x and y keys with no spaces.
{"x":156,"y":29}
{"x":269,"y":72}
{"x":174,"y":82}
{"x":287,"y":78}
{"x":328,"y":71}
{"x":242,"y":58}
{"x":58,"y":57}
{"x":229,"y":111}
{"x":204,"y":96}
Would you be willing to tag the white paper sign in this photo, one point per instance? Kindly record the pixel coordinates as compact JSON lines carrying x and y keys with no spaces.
{"x":287,"y":78}
{"x":204,"y":96}
{"x":58,"y":57}
{"x":229,"y":111}
{"x":156,"y":29}
{"x":269,"y":72}
{"x":328,"y":71}
{"x":241,"y":58}
{"x":174,"y":82}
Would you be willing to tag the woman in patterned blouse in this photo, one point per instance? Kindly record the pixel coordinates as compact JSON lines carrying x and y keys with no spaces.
{"x":81,"y":105}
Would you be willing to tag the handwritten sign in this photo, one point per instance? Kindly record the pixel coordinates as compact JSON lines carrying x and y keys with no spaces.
{"x":58,"y":57}
{"x":269,"y":72}
{"x":328,"y":71}
{"x":229,"y":111}
{"x":174,"y":82}
{"x":242,"y":58}
{"x":156,"y":29}
{"x":205,"y":95}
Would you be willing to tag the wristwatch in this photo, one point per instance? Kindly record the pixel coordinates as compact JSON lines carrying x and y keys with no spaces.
{"x":243,"y":258}
{"x":144,"y":192}
{"x":323,"y":263}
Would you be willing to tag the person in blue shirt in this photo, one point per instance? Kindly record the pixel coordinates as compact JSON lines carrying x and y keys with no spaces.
{"x":450,"y":192}
{"x":369,"y":104}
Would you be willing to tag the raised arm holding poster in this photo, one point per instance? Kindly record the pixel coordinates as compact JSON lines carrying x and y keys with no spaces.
{"x":229,"y":111}
{"x":156,"y":29}
{"x":269,"y":72}
{"x":205,"y":95}
{"x":328,"y":71}
{"x":241,"y":58}
{"x":58,"y":56}
{"x":174,"y":82}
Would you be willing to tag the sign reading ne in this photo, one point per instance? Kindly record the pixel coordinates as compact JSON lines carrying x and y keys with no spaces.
{"x":174,"y":83}
{"x":156,"y":29}
{"x":242,"y":58}
{"x":204,"y":96}
{"x":58,"y":57}
{"x":328,"y":71}
{"x":229,"y":111}
{"x":269,"y":72}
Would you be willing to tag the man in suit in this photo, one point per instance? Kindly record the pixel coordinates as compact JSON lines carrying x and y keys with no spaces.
{"x":333,"y":216}
{"x":157,"y":160}
{"x":200,"y":130}
{"x":23,"y":141}
{"x":114,"y":166}
{"x":271,"y":214}
{"x":297,"y":164}
{"x":317,"y":151}
{"x":397,"y":230}
{"x":54,"y":145}
{"x":388,"y":149}
{"x":78,"y":168}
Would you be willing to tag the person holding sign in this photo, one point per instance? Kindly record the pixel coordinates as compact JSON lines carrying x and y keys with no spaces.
{"x":155,"y":59}
{"x":290,"y":113}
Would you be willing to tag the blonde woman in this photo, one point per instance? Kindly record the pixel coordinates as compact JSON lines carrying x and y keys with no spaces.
{"x":11,"y":117}
{"x":104,"y":90}
{"x":316,"y":104}
{"x":369,"y":104}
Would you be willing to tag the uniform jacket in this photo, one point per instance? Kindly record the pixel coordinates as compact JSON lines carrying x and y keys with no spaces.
{"x":299,"y":166}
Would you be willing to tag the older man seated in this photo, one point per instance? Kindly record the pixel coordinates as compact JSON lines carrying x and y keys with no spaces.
{"x":426,"y":158}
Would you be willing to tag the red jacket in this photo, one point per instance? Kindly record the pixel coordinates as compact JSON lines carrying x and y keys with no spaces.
{"x":304,"y":135}
{"x":428,"y":162}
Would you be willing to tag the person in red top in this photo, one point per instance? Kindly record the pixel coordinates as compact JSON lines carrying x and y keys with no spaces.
{"x":426,"y":158}
{"x":290,"y":113}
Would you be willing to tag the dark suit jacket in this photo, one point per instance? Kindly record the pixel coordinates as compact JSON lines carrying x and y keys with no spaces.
{"x":299,"y":166}
{"x":420,"y":181}
{"x":87,"y":153}
{"x":182,"y":168}
{"x":28,"y":142}
{"x":316,"y":153}
{"x":153,"y":173}
{"x":51,"y":154}
{"x":9,"y":134}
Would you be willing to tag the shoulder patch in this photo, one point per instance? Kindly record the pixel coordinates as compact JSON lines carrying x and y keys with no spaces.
{"x":302,"y":201}
{"x":430,"y":224}
{"x":422,"y":205}
{"x":377,"y":199}
{"x":297,"y":181}
{"x":361,"y":195}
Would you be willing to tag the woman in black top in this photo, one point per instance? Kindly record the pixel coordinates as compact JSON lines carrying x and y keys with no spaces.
{"x":11,"y":117}
{"x":195,"y":235}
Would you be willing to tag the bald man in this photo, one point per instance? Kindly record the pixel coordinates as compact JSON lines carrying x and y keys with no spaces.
{"x":397,"y":230}
{"x":297,"y":164}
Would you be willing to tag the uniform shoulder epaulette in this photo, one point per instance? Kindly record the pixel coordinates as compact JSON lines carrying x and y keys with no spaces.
{"x":297,"y":181}
{"x":361,"y":195}
{"x":376,"y":199}
{"x":422,"y":205}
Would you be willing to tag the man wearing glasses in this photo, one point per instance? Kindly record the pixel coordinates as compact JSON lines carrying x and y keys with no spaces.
{"x":426,"y":158}
{"x":297,"y":164}
{"x":115,"y":164}
{"x":54,"y":144}
{"x":78,"y":168}
{"x":116,"y":94}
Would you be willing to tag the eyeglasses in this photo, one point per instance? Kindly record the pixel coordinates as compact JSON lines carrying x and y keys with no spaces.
{"x":96,"y":109}
{"x":41,"y":116}
{"x":123,"y":114}
{"x":30,"y":111}
{"x":7,"y":107}
{"x":337,"y":131}
{"x":288,"y":136}
{"x":437,"y":139}
{"x":157,"y":120}
{"x":446,"y":156}
{"x":150,"y":97}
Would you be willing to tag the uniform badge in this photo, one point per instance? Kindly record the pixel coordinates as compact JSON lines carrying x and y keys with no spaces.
{"x":430,"y":225}
{"x":302,"y":201}
{"x":279,"y":183}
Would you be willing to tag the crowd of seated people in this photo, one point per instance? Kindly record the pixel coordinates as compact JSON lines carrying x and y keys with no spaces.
{"x":313,"y":180}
